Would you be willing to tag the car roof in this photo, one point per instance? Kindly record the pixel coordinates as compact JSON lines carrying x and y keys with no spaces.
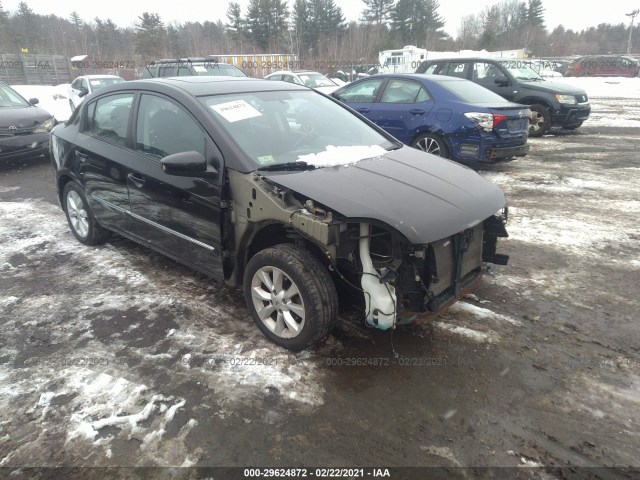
{"x":418,"y":76}
{"x":292,"y":72}
{"x":205,"y":85}
{"x":99,"y":76}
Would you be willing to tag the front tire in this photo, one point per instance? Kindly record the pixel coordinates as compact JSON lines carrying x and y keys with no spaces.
{"x":80,"y":217}
{"x":291,"y":296}
{"x":430,"y":143}
{"x":540,"y":121}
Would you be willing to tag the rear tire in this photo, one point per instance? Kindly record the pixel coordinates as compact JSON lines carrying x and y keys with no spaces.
{"x":540,"y":122}
{"x":291,"y":296}
{"x":430,"y":143}
{"x":80,"y":217}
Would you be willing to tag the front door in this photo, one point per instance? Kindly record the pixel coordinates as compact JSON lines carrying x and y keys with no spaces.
{"x":178,"y":215}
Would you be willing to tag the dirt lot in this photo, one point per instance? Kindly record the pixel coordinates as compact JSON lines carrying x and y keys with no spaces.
{"x":116,"y":356}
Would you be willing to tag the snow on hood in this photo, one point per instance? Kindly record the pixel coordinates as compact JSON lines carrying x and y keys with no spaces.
{"x":334,"y":156}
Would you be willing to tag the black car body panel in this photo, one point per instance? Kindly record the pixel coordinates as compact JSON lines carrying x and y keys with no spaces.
{"x":432,"y":221}
{"x":423,"y":205}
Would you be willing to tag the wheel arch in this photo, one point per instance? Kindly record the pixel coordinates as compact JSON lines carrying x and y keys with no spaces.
{"x":269,"y":234}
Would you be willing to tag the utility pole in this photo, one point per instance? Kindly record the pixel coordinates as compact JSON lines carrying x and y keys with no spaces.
{"x":633,"y":16}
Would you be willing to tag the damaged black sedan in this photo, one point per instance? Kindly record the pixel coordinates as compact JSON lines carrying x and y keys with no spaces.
{"x":281,"y":191}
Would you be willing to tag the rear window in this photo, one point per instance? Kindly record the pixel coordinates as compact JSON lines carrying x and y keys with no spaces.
{"x":471,"y":92}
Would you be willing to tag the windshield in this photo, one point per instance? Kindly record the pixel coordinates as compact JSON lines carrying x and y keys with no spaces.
{"x":217,"y":70}
{"x":524,"y":73}
{"x":470,"y":92}
{"x":10,"y":98}
{"x":100,"y":83}
{"x":281,"y":127}
{"x":314,"y":80}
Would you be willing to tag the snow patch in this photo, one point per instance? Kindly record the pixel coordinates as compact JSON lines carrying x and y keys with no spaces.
{"x":335,"y":156}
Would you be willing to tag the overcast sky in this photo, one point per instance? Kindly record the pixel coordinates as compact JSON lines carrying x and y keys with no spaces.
{"x":572,"y":14}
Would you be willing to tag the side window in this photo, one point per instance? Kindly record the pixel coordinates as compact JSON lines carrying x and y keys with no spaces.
{"x":85,"y":84}
{"x":164,"y":128}
{"x":486,"y":73}
{"x":108,"y":118}
{"x":76,"y":84}
{"x":184,"y":72}
{"x":401,"y":91}
{"x":276,"y":77}
{"x":365,"y":92}
{"x":169,"y":71}
{"x":457,"y":69}
{"x":437,"y":68}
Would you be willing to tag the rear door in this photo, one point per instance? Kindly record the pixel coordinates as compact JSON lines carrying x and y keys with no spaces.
{"x":178,"y":215}
{"x":101,"y":154}
{"x":403,"y":108}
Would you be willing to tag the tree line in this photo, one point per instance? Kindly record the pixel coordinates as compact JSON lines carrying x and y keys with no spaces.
{"x":312,"y":29}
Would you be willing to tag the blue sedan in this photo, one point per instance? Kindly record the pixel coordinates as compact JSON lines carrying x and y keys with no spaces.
{"x":445,"y":116}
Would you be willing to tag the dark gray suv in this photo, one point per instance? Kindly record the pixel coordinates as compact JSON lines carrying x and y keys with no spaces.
{"x":553,"y":104}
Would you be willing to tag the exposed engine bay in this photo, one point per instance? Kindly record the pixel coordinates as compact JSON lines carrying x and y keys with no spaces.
{"x":399,"y":281}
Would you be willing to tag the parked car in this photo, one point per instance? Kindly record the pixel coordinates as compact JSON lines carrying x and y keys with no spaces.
{"x":24,"y":127}
{"x":86,"y":84}
{"x":284,"y":192}
{"x":308,"y":78}
{"x":553,"y":104}
{"x":603,"y":66}
{"x":445,"y":116}
{"x":192,"y":66}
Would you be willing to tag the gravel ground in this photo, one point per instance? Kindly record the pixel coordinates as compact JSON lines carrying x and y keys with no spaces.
{"x":117,"y":356}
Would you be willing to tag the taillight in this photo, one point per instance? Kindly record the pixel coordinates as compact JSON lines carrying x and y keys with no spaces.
{"x":486,"y":121}
{"x":497,"y":118}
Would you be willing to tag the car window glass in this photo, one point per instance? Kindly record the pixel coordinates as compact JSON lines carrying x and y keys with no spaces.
{"x":164,"y":128}
{"x":423,"y":96}
{"x":456,"y":69}
{"x":109,"y":117}
{"x":169,"y":71}
{"x":400,"y":91}
{"x":365,"y":92}
{"x":76,"y":84}
{"x":276,"y":77}
{"x":9,"y":98}
{"x":435,"y":69}
{"x":184,"y":72}
{"x":291,"y":125}
{"x":85,"y":84}
{"x":485,"y":72}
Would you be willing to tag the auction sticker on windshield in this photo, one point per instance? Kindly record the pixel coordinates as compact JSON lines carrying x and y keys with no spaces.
{"x":235,"y":111}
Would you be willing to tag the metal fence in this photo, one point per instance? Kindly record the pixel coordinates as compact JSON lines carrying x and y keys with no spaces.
{"x":32,"y":69}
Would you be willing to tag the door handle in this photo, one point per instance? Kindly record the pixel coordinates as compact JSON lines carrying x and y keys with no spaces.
{"x":137,"y":181}
{"x":364,"y":110}
{"x":81,"y":156}
{"x":416,"y":111}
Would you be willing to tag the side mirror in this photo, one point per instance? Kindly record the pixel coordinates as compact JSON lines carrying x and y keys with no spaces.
{"x":34,"y":101}
{"x":83,"y":91}
{"x":187,"y":164}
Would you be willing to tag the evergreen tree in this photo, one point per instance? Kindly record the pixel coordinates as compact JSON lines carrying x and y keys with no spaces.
{"x":236,"y":24}
{"x":150,"y":35}
{"x":377,"y":11}
{"x":417,"y":22}
{"x":267,"y":21}
{"x":535,"y":13}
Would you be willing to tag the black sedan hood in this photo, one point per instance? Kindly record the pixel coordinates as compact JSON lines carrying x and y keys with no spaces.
{"x":425,"y":198}
{"x":22,"y":117}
